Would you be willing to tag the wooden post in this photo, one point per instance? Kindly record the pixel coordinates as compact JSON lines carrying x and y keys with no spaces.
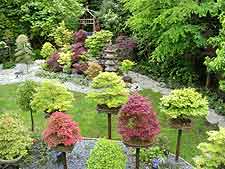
{"x":137,"y":158}
{"x":64,"y":160}
{"x":178,"y":144}
{"x":109,"y":126}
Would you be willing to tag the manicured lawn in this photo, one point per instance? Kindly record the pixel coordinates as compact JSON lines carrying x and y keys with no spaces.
{"x":93,"y":124}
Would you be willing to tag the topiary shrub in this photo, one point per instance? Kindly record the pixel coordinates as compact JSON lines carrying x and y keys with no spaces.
{"x":126,"y":66}
{"x":61,"y":131}
{"x":111,"y":90}
{"x":47,"y":50}
{"x":97,"y":42}
{"x":65,"y":59}
{"x":212,"y":154}
{"x":137,"y":120}
{"x":80,"y":68}
{"x":106,"y":155}
{"x":15,"y":139}
{"x":23,"y":50}
{"x":93,"y":70}
{"x":52,"y":96}
{"x":24,"y":95}
{"x":184,"y":104}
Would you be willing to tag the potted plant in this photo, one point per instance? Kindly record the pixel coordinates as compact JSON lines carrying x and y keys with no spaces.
{"x":125,"y":67}
{"x":24,"y":95}
{"x":110,"y":92}
{"x":182,"y":105}
{"x":212,"y":152}
{"x":14,"y":140}
{"x":107,"y":154}
{"x":51,"y":96}
{"x":138,"y":124}
{"x":61,"y":133}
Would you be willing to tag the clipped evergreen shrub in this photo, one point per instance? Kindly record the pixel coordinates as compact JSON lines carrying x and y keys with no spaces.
{"x":52,"y":96}
{"x":14,"y":139}
{"x":212,"y":154}
{"x":111,"y":90}
{"x":107,"y":155}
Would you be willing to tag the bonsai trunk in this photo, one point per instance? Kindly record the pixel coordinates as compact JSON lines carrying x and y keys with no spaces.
{"x":32,"y":120}
{"x":178,"y":144}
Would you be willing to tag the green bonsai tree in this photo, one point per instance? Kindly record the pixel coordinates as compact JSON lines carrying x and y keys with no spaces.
{"x":52,"y":96}
{"x":126,"y":66}
{"x":107,"y":155}
{"x":47,"y":50}
{"x":212,"y":154}
{"x":184,"y":104}
{"x":111,"y":90}
{"x":23,"y":50}
{"x":24,"y":95}
{"x":15,"y":139}
{"x":97,"y":42}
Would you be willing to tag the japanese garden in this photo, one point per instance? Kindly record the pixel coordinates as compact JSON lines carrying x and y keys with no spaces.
{"x":112,"y":84}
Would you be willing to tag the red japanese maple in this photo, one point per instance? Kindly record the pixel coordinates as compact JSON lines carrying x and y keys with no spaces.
{"x":61,"y":130}
{"x":138,"y":120}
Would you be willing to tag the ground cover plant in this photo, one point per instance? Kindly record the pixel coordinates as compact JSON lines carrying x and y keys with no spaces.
{"x":93,"y":124}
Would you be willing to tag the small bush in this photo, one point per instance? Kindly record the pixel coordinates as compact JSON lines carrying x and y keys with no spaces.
{"x":15,"y":139}
{"x":106,"y":155}
{"x":93,"y":70}
{"x":61,"y":130}
{"x":53,"y":64}
{"x":184,"y":104}
{"x":47,"y":50}
{"x":212,"y":153}
{"x":137,"y":120}
{"x":97,"y":42}
{"x":111,"y":90}
{"x":52,"y":96}
{"x":126,"y":66}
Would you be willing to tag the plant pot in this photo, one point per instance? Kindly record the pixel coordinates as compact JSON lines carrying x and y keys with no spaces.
{"x":127,"y":79}
{"x":138,"y":143}
{"x":102,"y":108}
{"x":181,"y":123}
{"x":10,"y":162}
{"x":63,"y":148}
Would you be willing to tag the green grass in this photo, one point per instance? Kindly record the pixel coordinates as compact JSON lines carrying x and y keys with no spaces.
{"x":93,"y":124}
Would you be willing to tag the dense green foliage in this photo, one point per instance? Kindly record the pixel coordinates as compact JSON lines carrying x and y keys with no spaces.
{"x":93,"y":70}
{"x":113,"y":16}
{"x":111,"y":90}
{"x":184,"y":104}
{"x":212,"y":152}
{"x":106,"y":155}
{"x":52,"y":96}
{"x":14,"y":139}
{"x":97,"y":42}
{"x":62,"y":35}
{"x":36,"y":18}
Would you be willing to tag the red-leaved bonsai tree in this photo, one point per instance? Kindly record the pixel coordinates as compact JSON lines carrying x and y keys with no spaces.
{"x":137,"y":121}
{"x":61,"y":131}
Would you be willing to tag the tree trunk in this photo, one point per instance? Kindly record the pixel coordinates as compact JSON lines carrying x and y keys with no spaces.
{"x":32,"y":120}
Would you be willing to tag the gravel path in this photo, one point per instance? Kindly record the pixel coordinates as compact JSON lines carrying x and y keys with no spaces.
{"x":77,"y":159}
{"x":19,"y":74}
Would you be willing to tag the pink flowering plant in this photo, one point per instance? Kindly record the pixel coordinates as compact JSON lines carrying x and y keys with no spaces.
{"x":61,"y":130}
{"x":138,"y":120}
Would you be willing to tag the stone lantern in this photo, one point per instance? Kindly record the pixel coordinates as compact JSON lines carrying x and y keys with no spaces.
{"x":109,"y":59}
